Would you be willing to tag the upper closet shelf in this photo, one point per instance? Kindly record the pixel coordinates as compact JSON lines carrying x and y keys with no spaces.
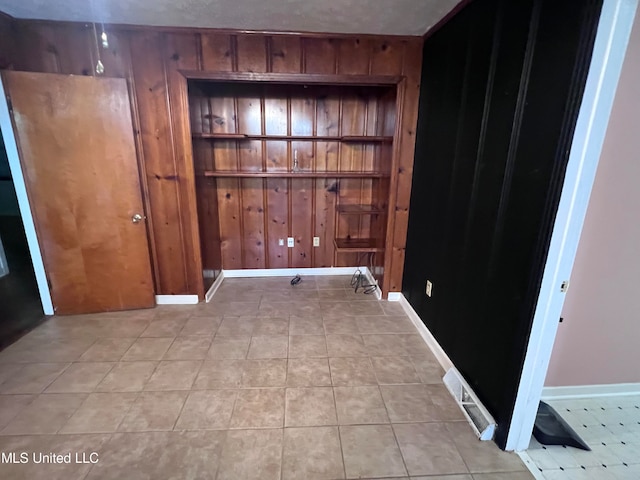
{"x":315,"y":138}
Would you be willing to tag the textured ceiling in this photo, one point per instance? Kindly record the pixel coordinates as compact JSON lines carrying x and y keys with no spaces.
{"x":387,"y":17}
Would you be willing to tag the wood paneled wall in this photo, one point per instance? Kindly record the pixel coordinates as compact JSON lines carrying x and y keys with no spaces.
{"x":255,"y":213}
{"x":149,"y":58}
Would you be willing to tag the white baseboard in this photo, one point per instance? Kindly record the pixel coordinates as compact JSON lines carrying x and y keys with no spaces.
{"x":214,"y":287}
{"x":426,"y":335}
{"x":394,"y":296}
{"x":176,"y":299}
{"x":288,"y":272}
{"x":588,"y":391}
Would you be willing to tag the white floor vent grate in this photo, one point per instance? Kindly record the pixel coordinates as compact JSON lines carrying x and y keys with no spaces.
{"x":480,"y":419}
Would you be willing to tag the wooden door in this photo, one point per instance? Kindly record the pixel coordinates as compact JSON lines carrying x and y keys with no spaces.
{"x":78,"y":155}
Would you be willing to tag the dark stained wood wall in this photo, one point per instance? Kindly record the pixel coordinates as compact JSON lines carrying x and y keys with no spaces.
{"x":6,"y":41}
{"x":149,"y":58}
{"x":503,"y":83}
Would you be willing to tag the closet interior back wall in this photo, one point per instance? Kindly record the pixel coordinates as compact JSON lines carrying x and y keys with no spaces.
{"x":290,"y":129}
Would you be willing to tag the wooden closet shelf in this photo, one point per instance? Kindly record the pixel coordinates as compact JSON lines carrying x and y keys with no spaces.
{"x":344,"y":245}
{"x":310,"y":138}
{"x":211,"y":173}
{"x":359,"y":209}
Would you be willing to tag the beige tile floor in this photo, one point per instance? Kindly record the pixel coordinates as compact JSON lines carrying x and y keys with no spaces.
{"x":268,"y":381}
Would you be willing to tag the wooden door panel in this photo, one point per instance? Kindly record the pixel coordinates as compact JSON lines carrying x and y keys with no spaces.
{"x":77,"y":151}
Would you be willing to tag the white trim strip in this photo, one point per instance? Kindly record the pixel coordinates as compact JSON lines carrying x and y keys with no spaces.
{"x":614,"y":28}
{"x":214,"y":287}
{"x":288,"y":272}
{"x":589,"y":391}
{"x":11,"y":147}
{"x":426,"y":335}
{"x":394,"y":296}
{"x":176,"y":299}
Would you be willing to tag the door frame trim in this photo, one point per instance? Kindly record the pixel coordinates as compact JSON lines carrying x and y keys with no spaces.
{"x":6,"y":127}
{"x":614,"y":29}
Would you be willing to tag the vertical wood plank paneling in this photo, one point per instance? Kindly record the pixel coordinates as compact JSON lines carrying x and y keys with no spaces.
{"x":35,"y":48}
{"x":208,"y":223}
{"x":181,"y":52}
{"x":277,"y":222}
{"x":196,"y":116}
{"x":354,"y":112}
{"x":229,"y":215}
{"x":217,"y":52}
{"x":354,"y":56}
{"x":117,"y":57}
{"x":320,"y":55}
{"x":252,"y":199}
{"x":325,"y":213}
{"x":249,"y":121}
{"x":286,"y":54}
{"x":394,"y":263}
{"x":251,"y":53}
{"x":224,"y":119}
{"x":387,"y":57}
{"x":252,"y":223}
{"x":300,"y":221}
{"x":77,"y":49}
{"x":276,"y":123}
{"x":223,"y":111}
{"x":326,"y":190}
{"x":161,"y":175}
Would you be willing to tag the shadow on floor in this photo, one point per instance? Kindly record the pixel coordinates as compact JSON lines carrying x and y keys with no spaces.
{"x":20,"y":307}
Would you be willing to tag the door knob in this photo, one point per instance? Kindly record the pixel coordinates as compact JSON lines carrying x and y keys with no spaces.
{"x":137,"y":218}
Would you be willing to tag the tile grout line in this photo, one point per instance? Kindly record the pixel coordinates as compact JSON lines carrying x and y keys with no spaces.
{"x":393,"y":430}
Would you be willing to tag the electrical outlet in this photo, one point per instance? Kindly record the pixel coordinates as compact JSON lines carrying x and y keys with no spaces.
{"x":429,"y":288}
{"x":281,"y":242}
{"x":316,"y":241}
{"x":290,"y":242}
